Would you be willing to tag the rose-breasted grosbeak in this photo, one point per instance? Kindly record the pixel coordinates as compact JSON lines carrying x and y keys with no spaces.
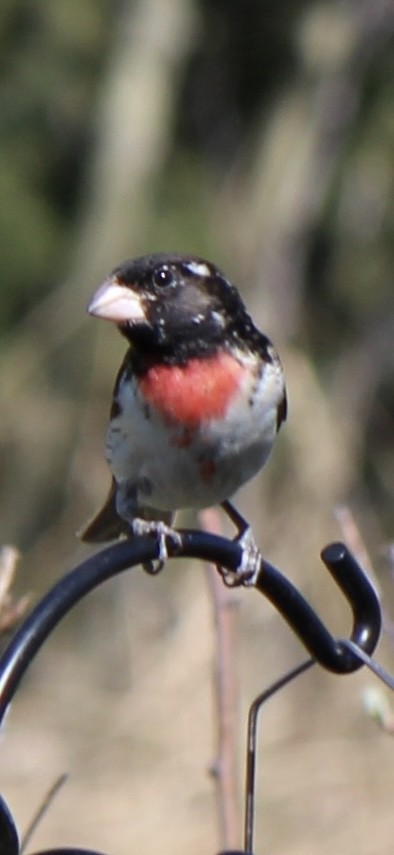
{"x":198,"y":399}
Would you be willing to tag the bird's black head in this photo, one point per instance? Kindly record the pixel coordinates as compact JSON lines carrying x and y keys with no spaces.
{"x":173,"y":306}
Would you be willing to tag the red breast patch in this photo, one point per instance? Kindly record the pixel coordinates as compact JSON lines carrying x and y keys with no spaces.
{"x":188,"y":394}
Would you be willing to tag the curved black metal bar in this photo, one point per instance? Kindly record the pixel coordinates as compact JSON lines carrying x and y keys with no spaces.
{"x":78,"y":582}
{"x":9,"y":841}
{"x":68,"y":851}
{"x":280,"y":591}
{"x":360,"y":594}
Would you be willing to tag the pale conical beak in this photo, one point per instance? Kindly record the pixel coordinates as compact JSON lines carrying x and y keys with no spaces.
{"x":116,"y":302}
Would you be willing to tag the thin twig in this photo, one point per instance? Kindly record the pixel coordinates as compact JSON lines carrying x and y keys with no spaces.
{"x":11,"y":610}
{"x":41,"y":811}
{"x":224,"y":606}
{"x":355,"y":541}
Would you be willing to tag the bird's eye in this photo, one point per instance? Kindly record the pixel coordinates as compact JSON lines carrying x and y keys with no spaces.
{"x":163,"y":277}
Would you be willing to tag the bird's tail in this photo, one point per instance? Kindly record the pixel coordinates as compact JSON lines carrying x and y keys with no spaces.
{"x":106,"y":525}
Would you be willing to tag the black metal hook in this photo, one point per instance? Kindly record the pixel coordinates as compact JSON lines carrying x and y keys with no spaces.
{"x":360,"y":594}
{"x":319,"y":642}
{"x":334,"y":655}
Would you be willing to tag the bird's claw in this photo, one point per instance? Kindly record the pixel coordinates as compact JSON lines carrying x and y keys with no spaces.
{"x":250,"y":564}
{"x":162,"y":532}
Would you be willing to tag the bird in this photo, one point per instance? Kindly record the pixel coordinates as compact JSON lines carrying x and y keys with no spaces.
{"x":197,"y":402}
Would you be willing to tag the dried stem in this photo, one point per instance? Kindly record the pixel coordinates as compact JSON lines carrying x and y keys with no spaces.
{"x":225,"y":768}
{"x":42,"y":810}
{"x":355,"y":541}
{"x":11,"y":610}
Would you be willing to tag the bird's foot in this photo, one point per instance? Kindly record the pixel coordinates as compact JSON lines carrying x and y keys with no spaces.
{"x":162,"y":533}
{"x":250,"y":564}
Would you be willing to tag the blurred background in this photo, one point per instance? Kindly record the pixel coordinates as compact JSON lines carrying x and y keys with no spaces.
{"x":259,"y":135}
